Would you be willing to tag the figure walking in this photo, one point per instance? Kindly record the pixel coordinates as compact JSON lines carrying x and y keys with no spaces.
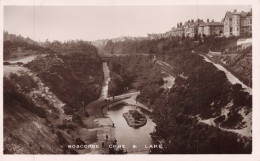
{"x":106,"y":138}
{"x":115,"y":141}
{"x":103,"y":144}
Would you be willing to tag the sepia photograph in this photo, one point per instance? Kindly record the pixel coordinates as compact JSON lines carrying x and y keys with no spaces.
{"x":161,"y":79}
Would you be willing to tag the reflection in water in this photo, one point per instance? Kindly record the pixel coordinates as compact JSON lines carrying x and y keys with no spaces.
{"x":130,"y":136}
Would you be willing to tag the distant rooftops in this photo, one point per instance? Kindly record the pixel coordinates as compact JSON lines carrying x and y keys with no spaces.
{"x":242,"y":14}
{"x":211,"y":24}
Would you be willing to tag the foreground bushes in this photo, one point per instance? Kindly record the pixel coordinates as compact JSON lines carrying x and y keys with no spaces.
{"x":192,"y":137}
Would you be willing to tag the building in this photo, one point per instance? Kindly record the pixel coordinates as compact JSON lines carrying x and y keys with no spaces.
{"x":174,"y":32}
{"x":191,"y":27}
{"x":179,"y":31}
{"x":238,"y":23}
{"x":211,"y":28}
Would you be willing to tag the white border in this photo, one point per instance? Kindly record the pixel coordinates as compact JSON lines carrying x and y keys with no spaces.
{"x":255,"y":156}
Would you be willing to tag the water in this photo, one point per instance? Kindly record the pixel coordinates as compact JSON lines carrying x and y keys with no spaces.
{"x":130,"y":136}
{"x":104,"y":91}
{"x":24,"y":60}
{"x":125,"y":134}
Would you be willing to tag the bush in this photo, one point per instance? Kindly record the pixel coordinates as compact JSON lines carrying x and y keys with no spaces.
{"x":11,"y":92}
{"x":136,"y":115}
{"x":7,"y":63}
{"x":233,"y":120}
{"x":77,"y":119}
{"x":220,"y":119}
{"x":24,"y":80}
{"x":66,"y":126}
{"x":67,"y":110}
{"x":62,"y":140}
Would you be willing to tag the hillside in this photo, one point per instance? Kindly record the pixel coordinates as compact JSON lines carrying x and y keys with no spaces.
{"x":201,"y":109}
{"x":16,"y":46}
{"x":49,"y":94}
{"x":74,"y":77}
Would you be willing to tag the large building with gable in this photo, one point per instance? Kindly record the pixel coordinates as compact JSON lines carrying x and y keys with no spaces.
{"x":238,"y":23}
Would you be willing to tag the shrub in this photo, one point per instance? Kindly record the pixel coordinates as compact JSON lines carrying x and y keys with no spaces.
{"x":67,"y":110}
{"x":233,"y":120}
{"x":11,"y":92}
{"x":66,"y":126}
{"x":77,"y":119}
{"x":136,"y":115}
{"x":62,"y":140}
{"x":7,"y":63}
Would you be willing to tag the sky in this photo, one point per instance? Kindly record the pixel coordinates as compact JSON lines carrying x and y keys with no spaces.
{"x":100,"y":22}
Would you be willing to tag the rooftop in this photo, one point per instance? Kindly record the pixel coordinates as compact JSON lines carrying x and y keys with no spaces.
{"x":211,"y":24}
{"x":243,"y":14}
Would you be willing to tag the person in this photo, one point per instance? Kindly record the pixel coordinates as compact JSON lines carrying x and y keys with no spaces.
{"x":106,"y":137}
{"x":103,"y":144}
{"x":113,"y":125}
{"x":115,"y":141}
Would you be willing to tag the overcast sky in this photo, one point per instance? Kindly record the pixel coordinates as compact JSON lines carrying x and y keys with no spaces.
{"x":92,"y":23}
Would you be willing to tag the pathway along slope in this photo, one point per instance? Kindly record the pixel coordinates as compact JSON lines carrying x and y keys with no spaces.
{"x":232,"y":79}
{"x":247,"y":131}
{"x":97,"y":122}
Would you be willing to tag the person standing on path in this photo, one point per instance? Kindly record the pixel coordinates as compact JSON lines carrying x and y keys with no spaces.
{"x":103,"y":144}
{"x":115,"y":142}
{"x":106,"y":137}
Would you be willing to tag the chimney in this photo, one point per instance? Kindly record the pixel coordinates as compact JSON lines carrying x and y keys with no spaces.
{"x":188,"y":21}
{"x":207,"y":20}
{"x":177,"y":25}
{"x":212,"y":20}
{"x":235,"y":11}
{"x":192,"y":21}
{"x":180,"y":24}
